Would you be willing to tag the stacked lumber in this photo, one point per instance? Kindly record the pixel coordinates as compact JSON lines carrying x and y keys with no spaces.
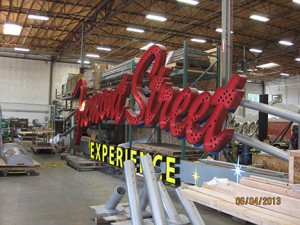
{"x":257,"y":200}
{"x":169,"y":150}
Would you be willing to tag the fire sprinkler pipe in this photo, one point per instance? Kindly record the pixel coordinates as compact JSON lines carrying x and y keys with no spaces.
{"x":153,"y":191}
{"x":190,"y":208}
{"x":133,"y":196}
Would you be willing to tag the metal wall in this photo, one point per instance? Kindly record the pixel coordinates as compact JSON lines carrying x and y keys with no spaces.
{"x":24,"y":86}
{"x":288,"y":88}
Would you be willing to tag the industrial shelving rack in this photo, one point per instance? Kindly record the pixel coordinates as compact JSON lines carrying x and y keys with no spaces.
{"x":183,"y":74}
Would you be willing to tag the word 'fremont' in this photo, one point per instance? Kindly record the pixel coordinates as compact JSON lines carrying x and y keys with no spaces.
{"x":185,"y":113}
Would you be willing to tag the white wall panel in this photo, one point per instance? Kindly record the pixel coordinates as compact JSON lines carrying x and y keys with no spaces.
{"x":24,"y":88}
{"x":288,"y":88}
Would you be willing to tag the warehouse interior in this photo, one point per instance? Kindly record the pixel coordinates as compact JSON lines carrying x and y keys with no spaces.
{"x":112,"y":113}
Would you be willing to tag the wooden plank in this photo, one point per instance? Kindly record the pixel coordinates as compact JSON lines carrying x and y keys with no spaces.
{"x":295,"y":193}
{"x":294,"y":167}
{"x":165,"y":149}
{"x":291,"y":169}
{"x":273,"y":182}
{"x":294,"y":153}
{"x":270,"y":162}
{"x":229,"y":190}
{"x":251,"y":214}
{"x":287,"y":205}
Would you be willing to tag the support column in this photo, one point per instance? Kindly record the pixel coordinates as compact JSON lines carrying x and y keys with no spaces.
{"x":226,"y":41}
{"x":263,"y":120}
{"x":82,"y":52}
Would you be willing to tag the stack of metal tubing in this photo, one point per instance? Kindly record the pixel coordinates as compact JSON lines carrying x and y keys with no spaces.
{"x":154,"y":193}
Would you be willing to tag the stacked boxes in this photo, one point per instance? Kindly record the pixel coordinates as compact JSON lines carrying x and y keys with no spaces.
{"x":72,"y":82}
{"x":93,"y":75}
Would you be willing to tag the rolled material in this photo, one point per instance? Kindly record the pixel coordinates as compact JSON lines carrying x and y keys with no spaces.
{"x":261,"y":146}
{"x":168,"y":204}
{"x":115,"y":198}
{"x":153,"y":191}
{"x":144,"y":195}
{"x":133,"y":194}
{"x":14,"y":155}
{"x":190,"y":208}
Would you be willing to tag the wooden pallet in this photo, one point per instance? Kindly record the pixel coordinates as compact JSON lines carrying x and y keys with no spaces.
{"x":227,"y":199}
{"x":169,"y":150}
{"x":40,"y":148}
{"x":80,"y":163}
{"x":6,"y":169}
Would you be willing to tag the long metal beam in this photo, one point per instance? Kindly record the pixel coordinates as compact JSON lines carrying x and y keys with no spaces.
{"x":190,"y":208}
{"x":67,"y":42}
{"x":132,"y":190}
{"x":282,"y":113}
{"x":261,"y":146}
{"x":153,"y":191}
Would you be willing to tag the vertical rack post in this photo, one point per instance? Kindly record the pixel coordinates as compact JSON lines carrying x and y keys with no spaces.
{"x":131,"y":107}
{"x":184,"y":85}
{"x":158,"y":132}
{"x":99,"y":133}
{"x":218,"y":67}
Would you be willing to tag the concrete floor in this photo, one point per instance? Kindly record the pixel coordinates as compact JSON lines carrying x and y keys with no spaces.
{"x":62,"y":196}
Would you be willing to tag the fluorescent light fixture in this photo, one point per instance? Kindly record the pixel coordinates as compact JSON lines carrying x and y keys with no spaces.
{"x":250,"y":70}
{"x":220,"y":30}
{"x":38,"y":17}
{"x":298,"y":59}
{"x":285,"y":74}
{"x":155,"y":17}
{"x":296,"y":1}
{"x":198,"y":40}
{"x":22,"y":49}
{"x":268,"y":65}
{"x":93,"y":55}
{"x":255,"y":50}
{"x":104,"y":49}
{"x":259,"y":18}
{"x":190,"y":2}
{"x":12,"y":29}
{"x":85,"y":61}
{"x":135,"y":30}
{"x":147,"y":46}
{"x":249,"y":81}
{"x":287,"y":43}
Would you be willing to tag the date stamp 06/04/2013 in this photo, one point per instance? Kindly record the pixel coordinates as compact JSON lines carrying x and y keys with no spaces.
{"x":258,"y":200}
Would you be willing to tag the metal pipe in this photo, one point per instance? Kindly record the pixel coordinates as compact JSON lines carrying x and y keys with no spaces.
{"x":168,"y":204}
{"x":115,"y":198}
{"x":226,"y":41}
{"x":153,"y":191}
{"x":144,"y":196}
{"x":261,"y":146}
{"x":82,"y":52}
{"x":283,"y":113}
{"x":133,"y":196}
{"x":190,"y":208}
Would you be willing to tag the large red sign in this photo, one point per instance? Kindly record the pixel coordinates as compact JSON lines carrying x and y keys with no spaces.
{"x":186,"y":113}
